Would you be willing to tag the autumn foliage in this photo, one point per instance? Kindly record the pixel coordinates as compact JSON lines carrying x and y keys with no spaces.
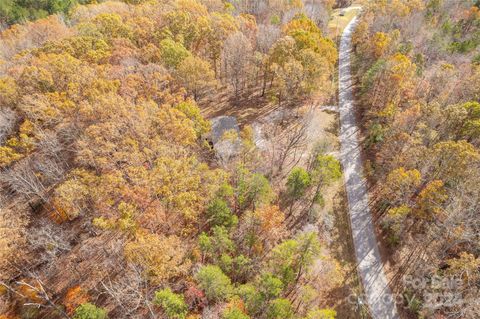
{"x":418,"y":77}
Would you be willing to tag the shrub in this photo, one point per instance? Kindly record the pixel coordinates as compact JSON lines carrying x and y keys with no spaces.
{"x":173,"y":304}
{"x":89,"y":311}
{"x":216,"y":285}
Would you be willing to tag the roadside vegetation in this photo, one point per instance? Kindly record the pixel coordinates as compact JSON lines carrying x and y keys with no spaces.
{"x":418,"y":82}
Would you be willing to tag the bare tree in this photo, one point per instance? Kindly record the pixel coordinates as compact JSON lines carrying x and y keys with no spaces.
{"x":50,"y":239}
{"x":36,"y":286}
{"x":7,"y":123}
{"x":289,"y":143}
{"x":343,"y":3}
{"x":236,"y":59}
{"x":130,"y":292}
{"x":24,"y":180}
{"x":317,"y":12}
{"x":267,"y":35}
{"x":255,"y":7}
{"x":32,"y":176}
{"x":13,"y":223}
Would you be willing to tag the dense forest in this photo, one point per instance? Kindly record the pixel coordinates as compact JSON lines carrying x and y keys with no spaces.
{"x":418,"y":70}
{"x":113,"y":202}
{"x":179,"y":159}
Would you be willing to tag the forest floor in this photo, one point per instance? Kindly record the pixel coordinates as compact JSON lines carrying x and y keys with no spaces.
{"x":246,"y":107}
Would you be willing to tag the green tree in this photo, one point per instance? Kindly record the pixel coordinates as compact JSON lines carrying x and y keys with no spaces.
{"x":89,"y":311}
{"x":280,"y":309}
{"x":283,"y":260}
{"x":216,"y":245}
{"x":173,"y":304}
{"x":219,"y":214}
{"x":173,"y":53}
{"x":234,"y":313}
{"x":251,"y":297}
{"x":326,"y":169}
{"x":14,"y":11}
{"x":269,"y":286}
{"x":298,"y":182}
{"x":236,"y":267}
{"x":258,"y":294}
{"x":321,"y":314}
{"x":292,"y":258}
{"x":214,"y":283}
{"x":253,"y":190}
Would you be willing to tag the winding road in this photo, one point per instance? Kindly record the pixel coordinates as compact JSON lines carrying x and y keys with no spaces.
{"x":369,"y":263}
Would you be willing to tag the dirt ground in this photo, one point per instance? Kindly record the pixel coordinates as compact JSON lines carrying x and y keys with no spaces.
{"x":246,"y":108}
